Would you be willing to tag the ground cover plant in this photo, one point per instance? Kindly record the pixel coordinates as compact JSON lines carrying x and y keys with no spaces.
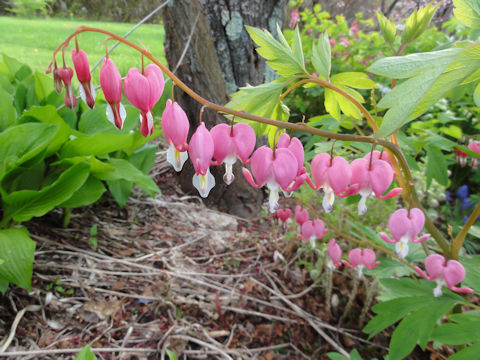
{"x":365,"y":154}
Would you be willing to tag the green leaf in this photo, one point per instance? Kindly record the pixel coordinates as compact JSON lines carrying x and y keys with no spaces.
{"x":8,"y":114}
{"x":321,"y":56}
{"x":86,"y":354}
{"x":296,"y":46}
{"x":467,"y":12}
{"x":144,"y":158}
{"x":21,"y":143}
{"x":457,"y":334}
{"x":279,"y":55}
{"x":18,"y":251}
{"x":356,"y":80}
{"x":3,"y":286}
{"x":97,"y":144}
{"x":89,"y":193}
{"x":472,"y":268}
{"x":25,"y":204}
{"x":96,"y":166}
{"x":48,"y":115}
{"x":418,"y":22}
{"x":43,"y":85}
{"x":387,"y":27}
{"x":124,"y":170}
{"x":468,"y":353}
{"x":95,"y":121}
{"x":171,"y":355}
{"x":436,"y":166}
{"x":120,"y":190}
{"x":331,"y":104}
{"x":476,"y":95}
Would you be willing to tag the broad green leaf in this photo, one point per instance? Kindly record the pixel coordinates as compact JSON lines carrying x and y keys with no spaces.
{"x":25,"y":177}
{"x":95,"y":121}
{"x":89,"y":193}
{"x":416,"y":328}
{"x":8,"y":114}
{"x":395,"y":288}
{"x":3,"y":286}
{"x":18,"y":251}
{"x":331,"y":104}
{"x":97,"y":144}
{"x":387,"y":27}
{"x":278,"y":54}
{"x":356,"y":80}
{"x":476,"y":95}
{"x":436,"y":166}
{"x":472,"y":268}
{"x":26,"y":204}
{"x":144,"y":158}
{"x":43,"y":85}
{"x":171,"y":355}
{"x":124,"y":170}
{"x":467,"y":12}
{"x":469,"y":353}
{"x":86,"y":354}
{"x":321,"y":56}
{"x":457,"y":334}
{"x":120,"y":190}
{"x":96,"y":166}
{"x":418,"y":22}
{"x":21,"y":143}
{"x":48,"y":115}
{"x":402,"y":67}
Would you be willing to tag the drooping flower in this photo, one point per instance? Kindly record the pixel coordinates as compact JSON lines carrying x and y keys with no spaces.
{"x":294,"y":17}
{"x":295,"y":146}
{"x":460,"y":157}
{"x":65,"y":75}
{"x":474,"y":146}
{"x":283,"y":214}
{"x":379,"y":155}
{"x":82,"y":68}
{"x":405,"y":226}
{"x":332,"y":175}
{"x":232,"y":143}
{"x":200,"y":150}
{"x":175,"y":126}
{"x":144,"y":90}
{"x":301,"y":215}
{"x":371,"y":178}
{"x":276,"y":171}
{"x":332,"y":42}
{"x":111,"y":84}
{"x":335,"y":254}
{"x":444,"y":273}
{"x":345,"y":42}
{"x":313,"y":230}
{"x":361,"y":258}
{"x":354,"y":29}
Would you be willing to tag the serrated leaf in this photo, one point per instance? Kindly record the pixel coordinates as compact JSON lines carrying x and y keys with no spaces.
{"x":279,"y":55}
{"x":25,"y":204}
{"x":356,"y":80}
{"x":387,"y":27}
{"x":457,"y":334}
{"x":18,"y":251}
{"x":331,"y":104}
{"x":418,"y":22}
{"x":467,"y":12}
{"x":296,"y":46}
{"x":436,"y":166}
{"x":321,"y":56}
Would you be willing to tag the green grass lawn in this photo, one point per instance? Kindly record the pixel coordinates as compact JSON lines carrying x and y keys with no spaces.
{"x":32,"y":41}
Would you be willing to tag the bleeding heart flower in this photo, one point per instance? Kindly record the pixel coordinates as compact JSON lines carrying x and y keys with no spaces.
{"x":332,"y":175}
{"x":379,"y":155}
{"x":360,"y":259}
{"x":111,"y":84}
{"x":82,"y":68}
{"x":295,"y":146}
{"x":312,"y":230}
{"x":461,"y":157}
{"x":335,"y":254}
{"x":175,"y":126}
{"x":277,"y":171}
{"x":232,"y":143}
{"x":283,"y":214}
{"x":444,"y":273}
{"x":294,"y":17}
{"x":65,"y":75}
{"x":144,"y":90}
{"x":200,"y":151}
{"x":301,"y":215}
{"x":474,"y":146}
{"x":371,"y":178}
{"x":405,"y":226}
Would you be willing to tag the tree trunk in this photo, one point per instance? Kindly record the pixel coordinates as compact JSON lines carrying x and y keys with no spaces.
{"x":219,"y":59}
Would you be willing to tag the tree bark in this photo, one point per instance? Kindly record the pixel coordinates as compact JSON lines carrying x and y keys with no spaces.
{"x":220,"y":59}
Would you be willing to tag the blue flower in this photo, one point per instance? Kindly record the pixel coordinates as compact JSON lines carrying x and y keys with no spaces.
{"x":448,"y":197}
{"x":466,"y":203}
{"x":462,"y":192}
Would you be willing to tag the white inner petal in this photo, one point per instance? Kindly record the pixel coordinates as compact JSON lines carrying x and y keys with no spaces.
{"x":437,"y":292}
{"x":176,"y":158}
{"x":328,"y":199}
{"x":401,"y":247}
{"x":83,"y":96}
{"x":228,"y":177}
{"x":273,"y":200}
{"x":362,"y":204}
{"x":109,"y":113}
{"x":204,"y":183}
